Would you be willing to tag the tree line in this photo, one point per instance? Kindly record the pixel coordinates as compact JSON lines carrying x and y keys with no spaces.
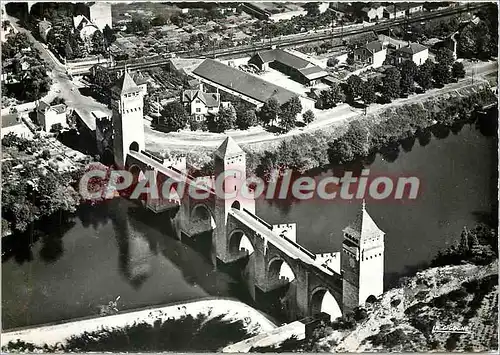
{"x":238,"y":114}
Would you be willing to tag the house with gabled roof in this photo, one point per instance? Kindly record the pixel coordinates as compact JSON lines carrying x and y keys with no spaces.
{"x":199,"y":104}
{"x":297,"y":68}
{"x":415,"y":52}
{"x":51,"y":117}
{"x":373,"y":53}
{"x":394,"y":11}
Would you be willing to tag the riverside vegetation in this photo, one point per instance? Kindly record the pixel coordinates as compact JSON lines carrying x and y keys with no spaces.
{"x":188,"y":333}
{"x":382,"y":132}
{"x":459,"y":289}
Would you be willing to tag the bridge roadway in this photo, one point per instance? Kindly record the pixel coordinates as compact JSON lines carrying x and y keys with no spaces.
{"x":293,"y":250}
{"x":290,"y":248}
{"x":170,"y":172}
{"x":227,"y":52}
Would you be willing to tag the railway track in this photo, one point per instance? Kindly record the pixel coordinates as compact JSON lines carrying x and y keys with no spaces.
{"x":337,"y":33}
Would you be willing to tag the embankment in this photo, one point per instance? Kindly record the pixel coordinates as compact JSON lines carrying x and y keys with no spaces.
{"x":57,"y":336}
{"x":377,"y":131}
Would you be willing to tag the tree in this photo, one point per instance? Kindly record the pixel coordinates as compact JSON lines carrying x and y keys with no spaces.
{"x":354,"y":143}
{"x":312,"y":8}
{"x":308,"y":116}
{"x":465,"y":244}
{"x":246,"y":119}
{"x":223,"y":120}
{"x":293,"y":105}
{"x":332,"y":96}
{"x":425,"y":74}
{"x":409,"y":71}
{"x":445,"y":56}
{"x":98,"y":45}
{"x":287,"y":117}
{"x":269,"y":111}
{"x":442,"y":74}
{"x":368,"y":93}
{"x":174,"y":116}
{"x":138,"y":24}
{"x":478,"y":40}
{"x":390,"y":84}
{"x":331,"y":62}
{"x":457,"y":70}
{"x":159,"y":20}
{"x":354,"y":87}
{"x":109,"y":35}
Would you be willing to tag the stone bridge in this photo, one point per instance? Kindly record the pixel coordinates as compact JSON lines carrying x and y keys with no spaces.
{"x":275,"y":259}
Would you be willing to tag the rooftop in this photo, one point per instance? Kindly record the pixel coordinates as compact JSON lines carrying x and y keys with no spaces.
{"x":374,"y":46}
{"x":241,"y":82}
{"x":228,"y":148}
{"x":363,"y":226}
{"x":284,"y":57}
{"x":413,"y":48}
{"x":10,"y":120}
{"x":125,"y":85}
{"x":209,"y":99}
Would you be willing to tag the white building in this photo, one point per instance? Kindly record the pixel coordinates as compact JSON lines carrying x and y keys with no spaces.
{"x":373,"y":53}
{"x":99,"y":14}
{"x":416,"y":52}
{"x":50,"y":116}
{"x":394,"y":11}
{"x":373,"y":13}
{"x":199,"y":103}
{"x":12,"y":123}
{"x":415,"y":7}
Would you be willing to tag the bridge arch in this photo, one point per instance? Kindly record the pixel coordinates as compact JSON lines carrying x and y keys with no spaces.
{"x":240,"y":243}
{"x":134,"y":146}
{"x":322,"y":300}
{"x":108,"y":157}
{"x":201,"y":219}
{"x":137,"y":173}
{"x":279,"y":270}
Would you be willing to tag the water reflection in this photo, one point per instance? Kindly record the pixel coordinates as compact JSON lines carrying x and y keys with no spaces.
{"x":391,"y":152}
{"x":408,"y":143}
{"x":440,"y":131}
{"x":424,"y":137}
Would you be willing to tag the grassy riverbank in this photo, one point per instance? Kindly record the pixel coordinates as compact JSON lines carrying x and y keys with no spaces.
{"x":361,"y":137}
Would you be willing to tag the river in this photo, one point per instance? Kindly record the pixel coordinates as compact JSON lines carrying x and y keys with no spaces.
{"x":118,"y":249}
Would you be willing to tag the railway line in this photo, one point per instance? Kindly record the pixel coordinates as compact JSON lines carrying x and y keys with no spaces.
{"x":284,"y":42}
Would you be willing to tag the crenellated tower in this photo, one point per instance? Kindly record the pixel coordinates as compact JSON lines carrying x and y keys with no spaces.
{"x":127,"y":102}
{"x":362,"y":261}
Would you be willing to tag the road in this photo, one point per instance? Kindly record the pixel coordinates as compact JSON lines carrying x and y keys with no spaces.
{"x":62,"y":85}
{"x":191,"y":141}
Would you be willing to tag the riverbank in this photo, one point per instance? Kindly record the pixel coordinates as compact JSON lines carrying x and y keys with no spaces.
{"x":58,"y":336}
{"x":383,"y":129}
{"x":422,"y":314}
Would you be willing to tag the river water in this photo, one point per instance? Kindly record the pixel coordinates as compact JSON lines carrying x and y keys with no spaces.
{"x":118,"y":249}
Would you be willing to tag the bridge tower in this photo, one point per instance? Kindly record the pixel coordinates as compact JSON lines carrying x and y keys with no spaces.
{"x":127,"y":102}
{"x":229,"y":159}
{"x":362,"y":261}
